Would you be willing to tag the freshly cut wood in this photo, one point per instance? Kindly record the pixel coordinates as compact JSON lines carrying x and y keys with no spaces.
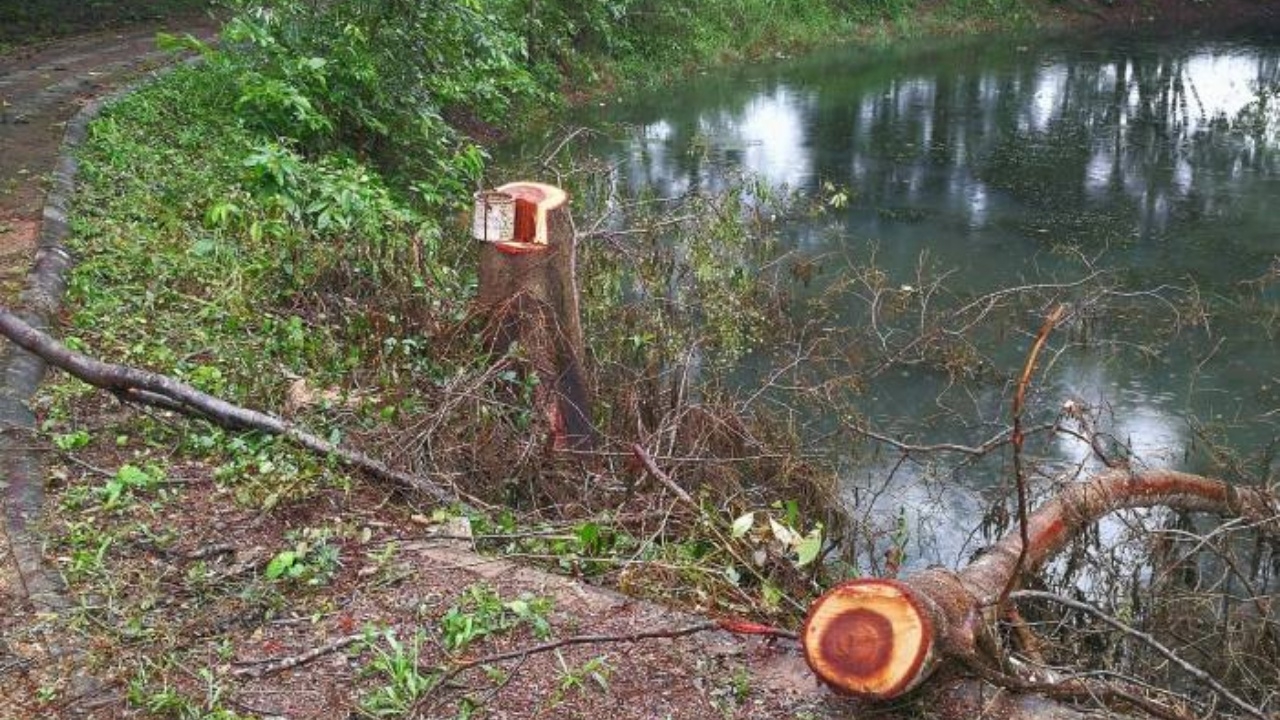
{"x":528,"y":289}
{"x":878,"y":639}
{"x":869,"y":638}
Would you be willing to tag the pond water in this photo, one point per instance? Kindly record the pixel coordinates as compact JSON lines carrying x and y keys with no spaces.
{"x":1156,"y":158}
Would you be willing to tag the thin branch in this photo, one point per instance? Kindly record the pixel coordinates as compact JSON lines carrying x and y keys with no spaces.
{"x":582,"y":640}
{"x":645,"y":459}
{"x":1019,"y":401}
{"x":979,"y":450}
{"x":263,"y":668}
{"x":1195,"y":672}
{"x":732,"y":626}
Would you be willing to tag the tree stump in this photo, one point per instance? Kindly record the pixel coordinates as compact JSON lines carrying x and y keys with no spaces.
{"x":528,"y":290}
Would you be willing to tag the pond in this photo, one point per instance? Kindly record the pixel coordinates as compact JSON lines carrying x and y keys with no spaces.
{"x":1012,"y":162}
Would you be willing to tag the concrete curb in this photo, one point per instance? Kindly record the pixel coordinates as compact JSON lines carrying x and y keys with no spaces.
{"x":21,"y":462}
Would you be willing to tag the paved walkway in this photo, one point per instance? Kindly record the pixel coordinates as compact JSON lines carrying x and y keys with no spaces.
{"x":40,"y":90}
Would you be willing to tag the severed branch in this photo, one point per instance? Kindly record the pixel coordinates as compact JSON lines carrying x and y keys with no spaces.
{"x":133,"y":385}
{"x":878,"y":639}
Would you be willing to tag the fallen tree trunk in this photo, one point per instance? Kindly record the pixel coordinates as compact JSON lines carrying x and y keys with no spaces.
{"x":147,"y":388}
{"x":879,"y":639}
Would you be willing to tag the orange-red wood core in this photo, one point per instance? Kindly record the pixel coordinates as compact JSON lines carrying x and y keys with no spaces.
{"x":868,"y":638}
{"x":533,"y":201}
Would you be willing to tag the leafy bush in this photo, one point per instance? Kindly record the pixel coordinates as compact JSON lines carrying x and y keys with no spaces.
{"x":376,"y":77}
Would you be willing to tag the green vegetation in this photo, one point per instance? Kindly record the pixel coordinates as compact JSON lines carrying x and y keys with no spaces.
{"x":279,"y":226}
{"x":397,"y":668}
{"x":481,"y":613}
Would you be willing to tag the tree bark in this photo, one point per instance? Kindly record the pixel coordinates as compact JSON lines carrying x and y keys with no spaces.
{"x":528,"y":290}
{"x":878,"y":639}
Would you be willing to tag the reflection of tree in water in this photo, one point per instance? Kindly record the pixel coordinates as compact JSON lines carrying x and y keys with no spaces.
{"x":1113,"y":145}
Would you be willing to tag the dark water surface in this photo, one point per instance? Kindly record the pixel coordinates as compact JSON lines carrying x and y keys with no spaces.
{"x":1157,"y":158}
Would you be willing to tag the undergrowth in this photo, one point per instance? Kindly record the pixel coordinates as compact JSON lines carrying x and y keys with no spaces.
{"x":280,"y":226}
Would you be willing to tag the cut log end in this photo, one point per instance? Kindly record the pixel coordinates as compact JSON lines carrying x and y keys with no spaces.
{"x":868,"y":638}
{"x":533,"y":202}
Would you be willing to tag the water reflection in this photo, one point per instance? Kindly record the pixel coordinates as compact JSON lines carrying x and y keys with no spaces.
{"x":1149,"y":429}
{"x":1158,"y":157}
{"x":1153,"y":135}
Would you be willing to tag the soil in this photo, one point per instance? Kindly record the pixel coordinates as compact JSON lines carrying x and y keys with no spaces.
{"x":190,"y":594}
{"x":188,"y":606}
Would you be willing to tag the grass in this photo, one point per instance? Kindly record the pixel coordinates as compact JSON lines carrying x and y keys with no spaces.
{"x":311,"y":285}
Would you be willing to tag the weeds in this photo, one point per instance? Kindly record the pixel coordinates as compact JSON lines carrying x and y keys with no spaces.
{"x":312,"y":559}
{"x":482,"y":613}
{"x":397,"y":666}
{"x":590,"y":675}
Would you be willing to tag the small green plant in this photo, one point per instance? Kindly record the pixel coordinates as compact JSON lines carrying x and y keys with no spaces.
{"x":571,"y":679}
{"x":119,"y":488}
{"x":89,"y":546}
{"x":161,"y":698}
{"x":396,"y":663}
{"x":71,"y":441}
{"x":482,"y":612}
{"x":312,"y":559}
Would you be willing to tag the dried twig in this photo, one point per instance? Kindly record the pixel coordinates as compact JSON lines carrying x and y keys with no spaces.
{"x":645,"y":459}
{"x":583,"y":640}
{"x":262,"y":668}
{"x":736,"y":627}
{"x":1195,"y":672}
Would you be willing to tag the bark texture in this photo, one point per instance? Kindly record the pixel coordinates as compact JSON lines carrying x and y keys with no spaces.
{"x":528,"y":291}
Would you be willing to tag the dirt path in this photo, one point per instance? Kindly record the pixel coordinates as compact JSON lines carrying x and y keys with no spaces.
{"x":40,"y":89}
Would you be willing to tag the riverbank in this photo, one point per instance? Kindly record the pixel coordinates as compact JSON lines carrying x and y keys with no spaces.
{"x":302,"y":282}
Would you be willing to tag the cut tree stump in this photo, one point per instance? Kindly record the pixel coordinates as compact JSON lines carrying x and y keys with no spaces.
{"x":528,"y":291}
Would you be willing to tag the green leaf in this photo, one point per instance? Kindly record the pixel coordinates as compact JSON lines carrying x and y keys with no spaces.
{"x":589,"y":536}
{"x":132,"y":476}
{"x":771,"y":595}
{"x":743,"y":524}
{"x":808,"y":549}
{"x":71,"y":441}
{"x":280,"y":564}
